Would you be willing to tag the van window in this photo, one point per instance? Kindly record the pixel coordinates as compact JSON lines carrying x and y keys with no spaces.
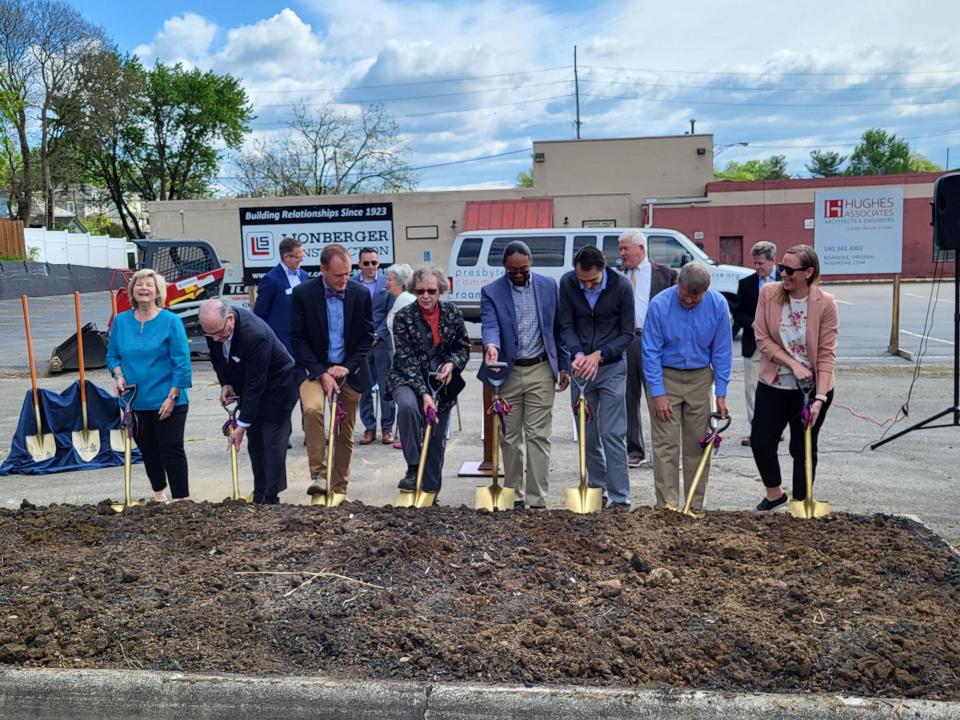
{"x":547,"y":250}
{"x":611,"y":249}
{"x":668,"y":251}
{"x":469,"y":252}
{"x":581,"y":241}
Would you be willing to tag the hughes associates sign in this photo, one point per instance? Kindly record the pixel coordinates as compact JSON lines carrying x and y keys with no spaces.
{"x":354,"y":226}
{"x":859,"y":231}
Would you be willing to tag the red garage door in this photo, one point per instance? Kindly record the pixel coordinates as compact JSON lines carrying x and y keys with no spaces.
{"x":503,"y":214}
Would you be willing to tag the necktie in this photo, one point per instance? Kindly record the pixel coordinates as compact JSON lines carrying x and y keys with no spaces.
{"x":328,"y":293}
{"x":633,"y":279}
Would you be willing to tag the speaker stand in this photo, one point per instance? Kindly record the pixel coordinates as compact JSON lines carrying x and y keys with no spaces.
{"x":955,"y":410}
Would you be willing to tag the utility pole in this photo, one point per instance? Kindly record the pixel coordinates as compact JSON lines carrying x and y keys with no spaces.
{"x":576,"y":89}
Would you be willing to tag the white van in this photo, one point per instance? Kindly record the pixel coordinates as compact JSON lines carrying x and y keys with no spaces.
{"x":477,"y":258}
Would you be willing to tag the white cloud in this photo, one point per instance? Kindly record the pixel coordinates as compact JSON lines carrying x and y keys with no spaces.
{"x":184,"y":38}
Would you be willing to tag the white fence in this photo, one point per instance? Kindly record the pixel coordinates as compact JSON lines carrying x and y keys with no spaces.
{"x":62,"y":248}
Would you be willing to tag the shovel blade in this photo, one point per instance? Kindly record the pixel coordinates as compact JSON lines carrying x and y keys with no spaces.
{"x":328,"y":499}
{"x":41,"y":447}
{"x":120,"y":507}
{"x":495,"y":497}
{"x":424,"y":499}
{"x":583,"y":500}
{"x":694,"y":514}
{"x":405,"y":500}
{"x":87,"y":444}
{"x":821,"y":508}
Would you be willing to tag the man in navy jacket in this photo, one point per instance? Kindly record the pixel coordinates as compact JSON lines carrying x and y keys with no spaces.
{"x":253,"y":365}
{"x":381,"y":356}
{"x":331,"y":330}
{"x":519,"y":316}
{"x":597,"y":323}
{"x":276,"y":289}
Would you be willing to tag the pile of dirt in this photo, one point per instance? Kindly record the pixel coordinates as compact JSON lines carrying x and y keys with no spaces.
{"x":850,"y":604}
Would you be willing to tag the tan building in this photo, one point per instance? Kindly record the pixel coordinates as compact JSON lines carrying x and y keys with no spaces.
{"x":584,"y":182}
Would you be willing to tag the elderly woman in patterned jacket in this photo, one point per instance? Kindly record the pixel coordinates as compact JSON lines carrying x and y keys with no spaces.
{"x":431,"y":346}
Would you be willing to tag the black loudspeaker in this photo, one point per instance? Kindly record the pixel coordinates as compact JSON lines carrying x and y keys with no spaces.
{"x":946,"y":211}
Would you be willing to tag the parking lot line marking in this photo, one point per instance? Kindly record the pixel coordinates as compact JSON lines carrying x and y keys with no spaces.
{"x":928,"y":337}
{"x":842,"y":302}
{"x":927,"y":297}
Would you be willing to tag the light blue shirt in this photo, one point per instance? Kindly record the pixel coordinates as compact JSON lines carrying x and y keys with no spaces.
{"x":334,"y":328}
{"x":370,"y":285}
{"x":593,"y":294}
{"x":684,"y":339}
{"x":770,"y":278}
{"x":529,"y":337}
{"x":154,"y":356}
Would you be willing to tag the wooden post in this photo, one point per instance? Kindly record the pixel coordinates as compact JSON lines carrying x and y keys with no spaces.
{"x":893,"y":348}
{"x":484,"y":468}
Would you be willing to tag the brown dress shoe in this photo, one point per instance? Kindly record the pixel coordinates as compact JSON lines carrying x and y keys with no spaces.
{"x":387,"y":437}
{"x":368,"y":437}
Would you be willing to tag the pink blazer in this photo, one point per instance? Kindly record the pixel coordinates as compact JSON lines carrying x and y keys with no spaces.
{"x":822,"y":326}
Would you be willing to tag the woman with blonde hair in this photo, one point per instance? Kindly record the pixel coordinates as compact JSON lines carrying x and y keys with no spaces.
{"x":148,"y":348}
{"x":796,"y":330}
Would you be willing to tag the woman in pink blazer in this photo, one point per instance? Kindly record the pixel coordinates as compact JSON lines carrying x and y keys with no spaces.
{"x":796,"y":330}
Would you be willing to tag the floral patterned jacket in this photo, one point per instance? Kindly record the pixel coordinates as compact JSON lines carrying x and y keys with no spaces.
{"x":411,"y":361}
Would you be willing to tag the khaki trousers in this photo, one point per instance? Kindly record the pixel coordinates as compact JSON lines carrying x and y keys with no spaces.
{"x":314,"y":403}
{"x":689,"y":392}
{"x":526,"y":433}
{"x":751,"y":376}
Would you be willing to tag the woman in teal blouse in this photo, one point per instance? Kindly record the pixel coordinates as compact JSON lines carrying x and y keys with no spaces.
{"x":148,"y":348}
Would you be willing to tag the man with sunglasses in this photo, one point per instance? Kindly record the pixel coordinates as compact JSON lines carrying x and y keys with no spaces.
{"x":519,"y":316}
{"x":253,"y":366}
{"x":375,"y":281}
{"x":764,"y":256}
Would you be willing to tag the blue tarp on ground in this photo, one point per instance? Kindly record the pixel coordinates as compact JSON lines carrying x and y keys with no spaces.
{"x":61,"y":413}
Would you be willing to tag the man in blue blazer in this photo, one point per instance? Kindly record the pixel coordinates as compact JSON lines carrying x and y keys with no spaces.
{"x":253,"y":365}
{"x":519,"y":316}
{"x":380,"y":358}
{"x":276,"y":289}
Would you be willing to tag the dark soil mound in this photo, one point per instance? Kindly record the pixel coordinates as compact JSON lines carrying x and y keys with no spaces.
{"x":856,"y":605}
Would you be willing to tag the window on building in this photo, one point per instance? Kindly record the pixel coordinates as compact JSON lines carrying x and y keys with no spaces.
{"x":547,"y":250}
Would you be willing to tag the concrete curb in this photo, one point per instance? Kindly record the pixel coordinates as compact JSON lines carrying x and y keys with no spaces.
{"x":123,"y":695}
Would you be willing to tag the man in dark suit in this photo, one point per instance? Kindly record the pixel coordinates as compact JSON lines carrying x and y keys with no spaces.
{"x":331,"y":330}
{"x":519,"y":316}
{"x":253,"y":365}
{"x":595,"y":315}
{"x":381,"y":357}
{"x":764,"y":255}
{"x":647,"y":279}
{"x":276,"y":289}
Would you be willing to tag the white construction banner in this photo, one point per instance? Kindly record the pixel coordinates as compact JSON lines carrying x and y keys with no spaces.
{"x":354,"y":226}
{"x":859,"y":231}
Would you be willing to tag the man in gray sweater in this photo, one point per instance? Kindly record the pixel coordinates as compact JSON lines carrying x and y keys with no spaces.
{"x":596,"y":319}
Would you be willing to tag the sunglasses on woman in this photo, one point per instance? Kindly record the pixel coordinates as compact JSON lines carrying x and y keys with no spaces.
{"x":426,"y":291}
{"x":787,"y":270}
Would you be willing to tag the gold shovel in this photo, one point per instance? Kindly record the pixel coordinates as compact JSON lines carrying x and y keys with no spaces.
{"x":582,"y":499}
{"x":808,"y":508}
{"x":86,"y":441}
{"x":117,"y":436}
{"x":232,"y":406}
{"x":330,"y":498}
{"x":708,"y":442}
{"x":496,"y":496}
{"x":419,"y":498}
{"x":41,"y":446}
{"x":126,"y":425}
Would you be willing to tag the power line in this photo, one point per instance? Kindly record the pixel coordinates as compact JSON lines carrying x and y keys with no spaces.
{"x":699,"y":102}
{"x":768,"y":73}
{"x":465,"y":78}
{"x":741,"y":88}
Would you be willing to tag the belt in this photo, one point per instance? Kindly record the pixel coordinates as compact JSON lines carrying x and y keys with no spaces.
{"x":528,"y":362}
{"x":686,"y":370}
{"x":638,"y":332}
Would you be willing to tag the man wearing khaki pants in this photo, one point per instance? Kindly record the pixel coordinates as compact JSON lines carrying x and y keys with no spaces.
{"x":519,"y":316}
{"x":331,"y":330}
{"x":687,"y":348}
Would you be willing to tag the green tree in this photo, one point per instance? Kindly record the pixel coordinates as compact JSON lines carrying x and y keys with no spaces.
{"x":773,"y":168}
{"x":880,"y":154}
{"x":921,"y":163}
{"x":825,"y":163}
{"x":524,"y":179}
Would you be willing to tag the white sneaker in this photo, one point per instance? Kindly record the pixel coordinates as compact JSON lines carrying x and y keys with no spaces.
{"x":161,"y":497}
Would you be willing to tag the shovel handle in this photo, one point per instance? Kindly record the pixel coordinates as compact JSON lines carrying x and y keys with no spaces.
{"x":25,"y":304}
{"x":80,"y":358}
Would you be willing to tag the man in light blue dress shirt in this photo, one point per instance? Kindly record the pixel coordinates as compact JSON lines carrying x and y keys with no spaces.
{"x":687,"y":349}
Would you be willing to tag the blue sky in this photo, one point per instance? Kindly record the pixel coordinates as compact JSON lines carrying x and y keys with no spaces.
{"x":487,"y":77}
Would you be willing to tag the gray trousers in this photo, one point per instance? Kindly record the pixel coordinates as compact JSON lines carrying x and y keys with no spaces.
{"x":606,"y":435}
{"x":410,"y":424}
{"x":634,"y":395}
{"x":380,"y":360}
